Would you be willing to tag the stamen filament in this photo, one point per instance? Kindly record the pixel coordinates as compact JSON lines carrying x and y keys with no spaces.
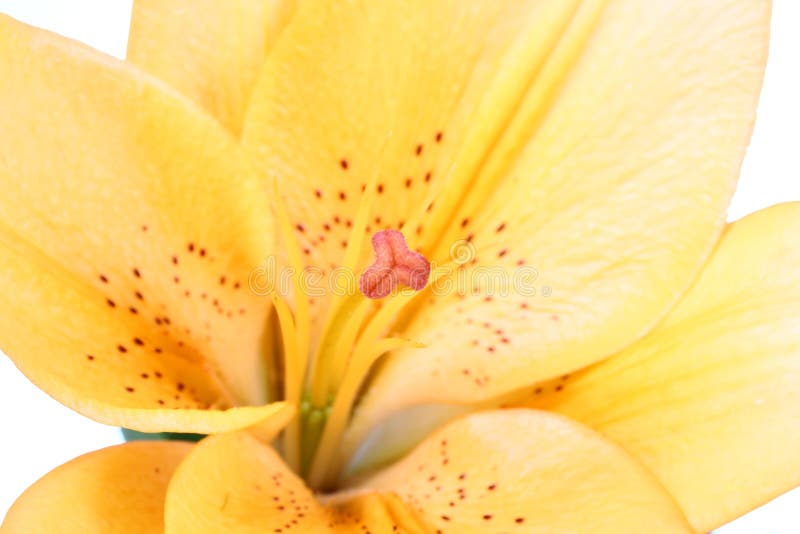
{"x":363,"y":357}
{"x":312,"y":429}
{"x":356,"y":370}
{"x":340,"y":326}
{"x":295,"y":346}
{"x":343,"y":349}
{"x":320,"y":375}
{"x":302,"y":317}
{"x":322,"y":470}
{"x":291,"y":369}
{"x":388,"y":315}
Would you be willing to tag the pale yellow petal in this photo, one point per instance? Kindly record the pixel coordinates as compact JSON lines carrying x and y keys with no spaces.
{"x":710,"y":400}
{"x":528,"y":471}
{"x":129,"y":224}
{"x":470,"y":477}
{"x":594,"y":207}
{"x":234,"y":483}
{"x":396,"y":91}
{"x":115,"y":490}
{"x":394,"y":436}
{"x":210,"y":51}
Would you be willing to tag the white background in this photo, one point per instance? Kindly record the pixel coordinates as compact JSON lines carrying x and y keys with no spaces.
{"x":38,"y":433}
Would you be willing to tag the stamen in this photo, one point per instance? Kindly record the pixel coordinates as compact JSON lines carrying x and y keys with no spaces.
{"x":322,"y":468}
{"x":394,"y":264}
{"x":291,"y":436}
{"x":295,"y":361}
{"x":331,"y":360}
{"x":320,"y":374}
{"x":347,"y":340}
{"x":369,"y":347}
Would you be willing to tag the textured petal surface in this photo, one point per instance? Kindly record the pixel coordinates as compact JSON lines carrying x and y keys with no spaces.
{"x":115,"y":490}
{"x":234,"y":483}
{"x":210,"y":51}
{"x":390,"y":92}
{"x":528,"y":471}
{"x":710,"y":400}
{"x":129,"y":224}
{"x":467,"y":478}
{"x":594,"y":207}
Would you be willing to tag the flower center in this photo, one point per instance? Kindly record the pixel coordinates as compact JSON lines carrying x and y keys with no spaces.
{"x":325,"y":384}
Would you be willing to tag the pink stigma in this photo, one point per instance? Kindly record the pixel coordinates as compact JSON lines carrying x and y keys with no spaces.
{"x":394,"y":264}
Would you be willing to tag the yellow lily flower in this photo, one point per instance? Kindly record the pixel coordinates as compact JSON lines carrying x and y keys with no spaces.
{"x":633,"y":376}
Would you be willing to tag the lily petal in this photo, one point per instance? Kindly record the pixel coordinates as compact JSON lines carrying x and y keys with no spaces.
{"x":210,"y":51}
{"x":120,"y":489}
{"x":129,"y":224}
{"x":466,"y":478}
{"x":234,"y":483}
{"x":597,"y":205}
{"x":710,"y":400}
{"x":528,"y":471}
{"x":410,"y":89}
